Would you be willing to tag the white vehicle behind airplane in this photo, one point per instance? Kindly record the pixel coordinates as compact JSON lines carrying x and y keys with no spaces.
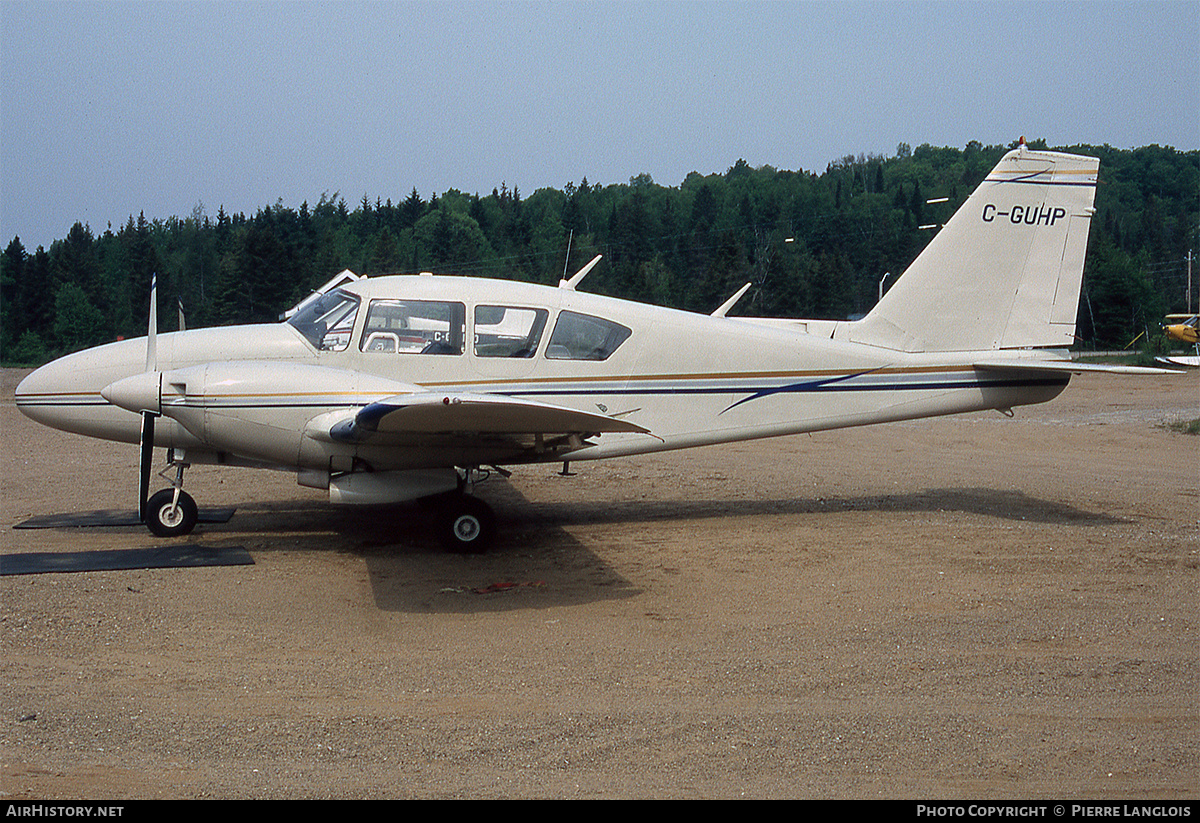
{"x":390,"y":389}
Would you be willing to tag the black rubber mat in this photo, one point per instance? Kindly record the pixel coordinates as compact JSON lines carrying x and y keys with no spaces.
{"x":109,"y":517}
{"x":162,"y":557}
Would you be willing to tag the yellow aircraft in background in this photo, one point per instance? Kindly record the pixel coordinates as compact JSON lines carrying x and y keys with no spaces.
{"x":1186,"y":329}
{"x":1183,"y":327}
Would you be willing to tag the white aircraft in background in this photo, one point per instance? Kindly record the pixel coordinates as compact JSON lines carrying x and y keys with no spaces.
{"x":396,"y":388}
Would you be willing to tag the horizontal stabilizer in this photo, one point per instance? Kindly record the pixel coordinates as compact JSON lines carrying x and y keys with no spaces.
{"x":434,"y":413}
{"x":1066,"y":367}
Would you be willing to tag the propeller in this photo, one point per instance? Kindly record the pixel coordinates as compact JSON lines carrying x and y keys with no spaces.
{"x":140,"y":393}
{"x":146,"y":441}
{"x":146,"y":456}
{"x":170,"y":512}
{"x":152,"y":331}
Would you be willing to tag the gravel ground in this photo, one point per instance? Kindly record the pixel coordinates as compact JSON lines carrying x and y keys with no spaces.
{"x":970,"y":607}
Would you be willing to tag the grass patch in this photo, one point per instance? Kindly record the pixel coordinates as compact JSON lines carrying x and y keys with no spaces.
{"x":1185,"y":426}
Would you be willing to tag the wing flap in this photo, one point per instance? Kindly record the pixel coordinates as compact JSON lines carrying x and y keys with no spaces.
{"x":472,"y":414}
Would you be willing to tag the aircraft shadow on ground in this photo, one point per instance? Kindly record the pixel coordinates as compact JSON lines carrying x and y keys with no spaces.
{"x":1006,"y":505}
{"x":537,"y":562}
{"x":534,"y":564}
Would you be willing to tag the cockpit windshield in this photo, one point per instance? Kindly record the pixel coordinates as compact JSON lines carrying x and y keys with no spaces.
{"x":328,"y":321}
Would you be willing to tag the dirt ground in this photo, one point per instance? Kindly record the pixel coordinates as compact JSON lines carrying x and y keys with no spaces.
{"x":970,"y":607}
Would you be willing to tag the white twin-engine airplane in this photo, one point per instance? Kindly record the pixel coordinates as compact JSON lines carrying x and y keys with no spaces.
{"x":397,"y":388}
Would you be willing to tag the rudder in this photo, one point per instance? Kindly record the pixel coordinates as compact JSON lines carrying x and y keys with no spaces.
{"x":1005,"y":272}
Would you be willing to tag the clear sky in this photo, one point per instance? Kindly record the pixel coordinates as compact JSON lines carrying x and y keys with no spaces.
{"x":111,"y":109}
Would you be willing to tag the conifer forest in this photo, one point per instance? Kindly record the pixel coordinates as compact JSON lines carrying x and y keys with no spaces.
{"x":818,"y":245}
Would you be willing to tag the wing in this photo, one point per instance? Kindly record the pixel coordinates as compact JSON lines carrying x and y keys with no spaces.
{"x":473,"y":420}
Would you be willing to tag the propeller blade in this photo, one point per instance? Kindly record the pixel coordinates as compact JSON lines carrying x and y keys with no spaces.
{"x":152,"y":332}
{"x":146,"y":459}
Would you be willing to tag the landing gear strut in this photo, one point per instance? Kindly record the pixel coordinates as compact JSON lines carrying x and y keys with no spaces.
{"x":465,"y":524}
{"x":171,"y":512}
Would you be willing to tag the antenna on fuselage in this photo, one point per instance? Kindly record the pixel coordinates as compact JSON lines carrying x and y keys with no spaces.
{"x":579,"y":275}
{"x":567,"y":259}
{"x":729,"y":304}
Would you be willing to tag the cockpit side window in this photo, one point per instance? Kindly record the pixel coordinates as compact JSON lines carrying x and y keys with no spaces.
{"x":508,"y":331}
{"x":414,"y":327}
{"x":328,"y":322}
{"x":584,"y":337}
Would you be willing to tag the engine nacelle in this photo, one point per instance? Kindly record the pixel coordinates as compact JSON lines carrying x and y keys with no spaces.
{"x":255,"y":409}
{"x":373,"y":488}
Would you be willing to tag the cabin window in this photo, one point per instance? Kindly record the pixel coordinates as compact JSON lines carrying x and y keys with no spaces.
{"x":328,"y":322}
{"x":583,"y":337}
{"x":508,"y":331}
{"x":414,"y":327}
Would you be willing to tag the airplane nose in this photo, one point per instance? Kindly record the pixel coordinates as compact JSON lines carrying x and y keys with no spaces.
{"x":141,"y":392}
{"x":65,"y":393}
{"x":49,"y":395}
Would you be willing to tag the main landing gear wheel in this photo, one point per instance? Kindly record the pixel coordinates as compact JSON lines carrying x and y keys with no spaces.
{"x":166,"y":517}
{"x":468,"y":525}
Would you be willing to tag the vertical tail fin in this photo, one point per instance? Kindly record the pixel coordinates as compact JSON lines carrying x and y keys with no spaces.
{"x":1004,"y":273}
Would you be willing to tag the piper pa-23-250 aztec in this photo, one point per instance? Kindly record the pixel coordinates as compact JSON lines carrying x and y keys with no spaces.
{"x":397,"y":388}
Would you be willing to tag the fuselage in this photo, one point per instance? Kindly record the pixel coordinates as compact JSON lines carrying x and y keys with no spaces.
{"x":688,"y":379}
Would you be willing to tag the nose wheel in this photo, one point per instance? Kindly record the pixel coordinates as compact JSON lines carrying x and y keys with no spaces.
{"x":171,"y":513}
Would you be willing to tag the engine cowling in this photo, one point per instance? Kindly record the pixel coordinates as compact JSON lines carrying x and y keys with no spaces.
{"x":257,"y":410}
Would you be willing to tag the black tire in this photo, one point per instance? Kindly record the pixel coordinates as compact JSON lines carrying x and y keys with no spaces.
{"x":166,"y":520}
{"x":468,"y":525}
